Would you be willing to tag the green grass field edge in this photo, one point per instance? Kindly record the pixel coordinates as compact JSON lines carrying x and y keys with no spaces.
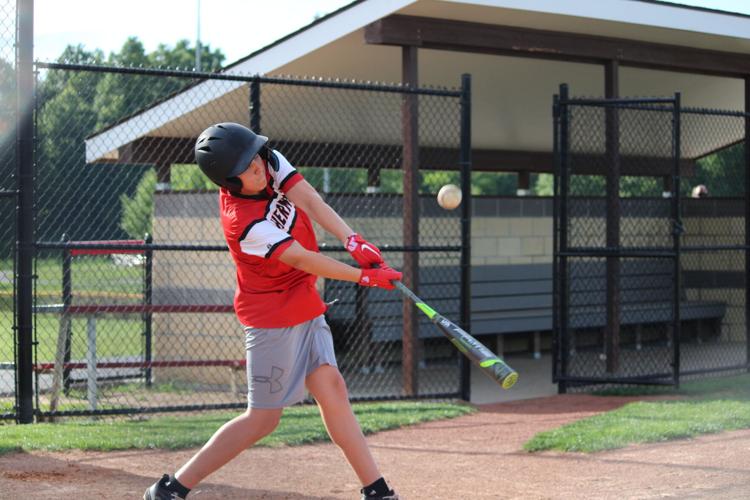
{"x":299,"y":425}
{"x":697,"y":408}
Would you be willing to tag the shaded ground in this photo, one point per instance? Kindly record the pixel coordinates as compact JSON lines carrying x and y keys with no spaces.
{"x":477,"y":456}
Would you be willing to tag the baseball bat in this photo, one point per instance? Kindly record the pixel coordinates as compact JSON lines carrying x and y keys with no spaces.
{"x":486,"y":360}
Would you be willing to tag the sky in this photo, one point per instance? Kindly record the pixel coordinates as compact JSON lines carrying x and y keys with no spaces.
{"x":237,"y":27}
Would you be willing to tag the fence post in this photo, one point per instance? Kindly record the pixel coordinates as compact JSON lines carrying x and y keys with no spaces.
{"x":61,"y":375}
{"x":747,"y":220}
{"x":555,"y":236}
{"x":465,"y":163}
{"x":25,"y":246}
{"x":147,"y":314}
{"x":255,"y":106}
{"x":66,"y":322}
{"x":562,"y":268}
{"x":676,"y":236}
{"x":91,"y":381}
{"x":613,"y":216}
{"x":410,"y":166}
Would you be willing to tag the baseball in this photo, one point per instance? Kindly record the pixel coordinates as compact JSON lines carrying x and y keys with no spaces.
{"x":449,"y":196}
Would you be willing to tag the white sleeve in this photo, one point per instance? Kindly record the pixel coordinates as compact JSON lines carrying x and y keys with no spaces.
{"x":262,"y":238}
{"x":281,"y":171}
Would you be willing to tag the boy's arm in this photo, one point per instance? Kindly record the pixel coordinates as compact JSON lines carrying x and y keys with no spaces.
{"x":295,"y":255}
{"x":307,"y":198}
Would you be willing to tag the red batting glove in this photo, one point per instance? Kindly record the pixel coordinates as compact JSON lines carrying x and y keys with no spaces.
{"x":365,"y":253}
{"x":379,"y":278}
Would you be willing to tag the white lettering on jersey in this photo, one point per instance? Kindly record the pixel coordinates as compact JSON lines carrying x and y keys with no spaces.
{"x":282,"y":213}
{"x":276,"y":227}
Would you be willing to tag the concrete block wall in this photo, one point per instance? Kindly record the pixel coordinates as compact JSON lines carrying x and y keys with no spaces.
{"x":504,"y":231}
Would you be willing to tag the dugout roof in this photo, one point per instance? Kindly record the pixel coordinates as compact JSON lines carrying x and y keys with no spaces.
{"x":517,"y":51}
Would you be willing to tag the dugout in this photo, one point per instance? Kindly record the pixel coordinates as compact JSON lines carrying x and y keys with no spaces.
{"x":517,"y":54}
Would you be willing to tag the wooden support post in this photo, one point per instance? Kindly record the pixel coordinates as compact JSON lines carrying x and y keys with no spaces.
{"x":537,"y":340}
{"x":410,"y":140}
{"x":524,"y":184}
{"x":638,"y":336}
{"x":91,"y":377}
{"x":163,"y":176}
{"x":612,"y":145}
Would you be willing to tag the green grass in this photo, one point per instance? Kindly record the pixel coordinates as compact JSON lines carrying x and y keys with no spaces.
{"x":115,"y":336}
{"x":299,"y":425}
{"x":95,"y":279}
{"x":705,"y":406}
{"x":88,"y":273}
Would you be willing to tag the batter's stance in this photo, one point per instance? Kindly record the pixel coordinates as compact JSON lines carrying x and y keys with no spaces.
{"x":266,"y":207}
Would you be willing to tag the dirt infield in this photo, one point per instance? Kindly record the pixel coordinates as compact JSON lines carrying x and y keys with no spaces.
{"x":476,"y":456}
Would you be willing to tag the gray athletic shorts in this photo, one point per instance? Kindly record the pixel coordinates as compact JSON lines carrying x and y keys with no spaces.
{"x":279,"y":360}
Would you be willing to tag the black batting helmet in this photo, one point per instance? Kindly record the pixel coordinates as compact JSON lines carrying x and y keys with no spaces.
{"x":223,"y":151}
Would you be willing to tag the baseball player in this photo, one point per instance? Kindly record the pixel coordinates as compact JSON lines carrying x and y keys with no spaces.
{"x":266,"y":210}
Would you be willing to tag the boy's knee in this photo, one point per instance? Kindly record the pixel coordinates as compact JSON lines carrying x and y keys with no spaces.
{"x":337,"y":383}
{"x":262,"y":421}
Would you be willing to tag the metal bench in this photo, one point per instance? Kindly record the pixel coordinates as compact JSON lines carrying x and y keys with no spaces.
{"x":518,"y":299}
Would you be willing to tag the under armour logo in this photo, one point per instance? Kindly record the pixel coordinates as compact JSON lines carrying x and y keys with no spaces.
{"x":273,"y":380}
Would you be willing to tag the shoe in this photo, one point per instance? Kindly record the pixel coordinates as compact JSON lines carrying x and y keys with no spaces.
{"x":391,"y":495}
{"x":159,"y":491}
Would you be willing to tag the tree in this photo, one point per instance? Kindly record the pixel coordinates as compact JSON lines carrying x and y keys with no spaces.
{"x":119,"y":95}
{"x":80,"y":199}
{"x":7,"y":153}
{"x":722,"y":172}
{"x":137,"y":211}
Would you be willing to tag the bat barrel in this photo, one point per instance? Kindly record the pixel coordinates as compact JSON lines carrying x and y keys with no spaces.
{"x":477,"y":352}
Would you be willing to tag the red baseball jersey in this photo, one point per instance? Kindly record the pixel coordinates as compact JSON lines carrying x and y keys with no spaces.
{"x":258,"y":228}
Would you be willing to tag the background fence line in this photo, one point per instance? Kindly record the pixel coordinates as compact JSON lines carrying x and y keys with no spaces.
{"x":121,"y":300}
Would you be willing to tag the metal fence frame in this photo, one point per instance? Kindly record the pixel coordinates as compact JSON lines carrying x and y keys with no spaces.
{"x":27,"y":396}
{"x":563,"y":251}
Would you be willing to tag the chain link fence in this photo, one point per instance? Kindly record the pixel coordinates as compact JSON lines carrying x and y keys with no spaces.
{"x":714,"y":252}
{"x":8,"y":189}
{"x":134,"y":284}
{"x":650,"y":281}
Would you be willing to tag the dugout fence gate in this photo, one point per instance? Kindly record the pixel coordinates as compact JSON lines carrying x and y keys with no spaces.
{"x":650,"y":283}
{"x":132,"y":282}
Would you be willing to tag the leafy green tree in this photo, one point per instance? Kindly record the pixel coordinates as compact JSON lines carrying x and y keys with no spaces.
{"x":7,"y":122}
{"x":137,"y":211}
{"x":65,"y":115}
{"x":83,"y":200}
{"x":183,"y":56}
{"x":119,"y":95}
{"x":190,"y":178}
{"x":723,"y":173}
{"x":7,"y":151}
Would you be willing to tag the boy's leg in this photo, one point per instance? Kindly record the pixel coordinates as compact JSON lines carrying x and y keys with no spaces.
{"x":328,"y":388}
{"x":232,"y":438}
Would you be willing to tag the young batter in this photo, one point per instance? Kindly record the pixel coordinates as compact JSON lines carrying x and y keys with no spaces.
{"x":266,"y":207}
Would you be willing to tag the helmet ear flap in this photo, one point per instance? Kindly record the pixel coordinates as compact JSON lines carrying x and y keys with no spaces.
{"x":234,"y":183}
